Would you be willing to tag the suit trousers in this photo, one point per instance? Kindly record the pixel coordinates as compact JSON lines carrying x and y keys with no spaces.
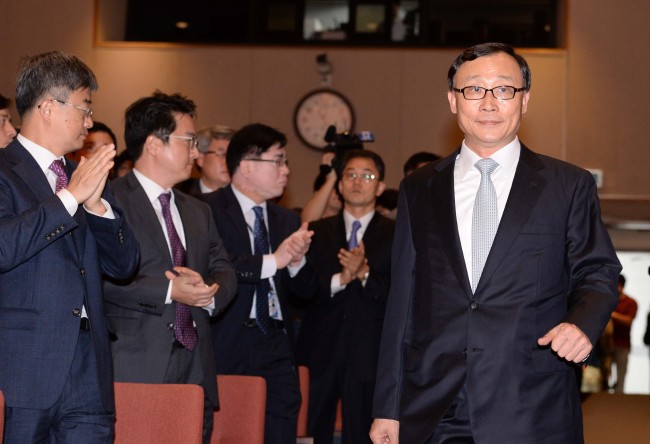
{"x":185,"y":368}
{"x":455,"y":427}
{"x":271,"y":357}
{"x":78,"y":417}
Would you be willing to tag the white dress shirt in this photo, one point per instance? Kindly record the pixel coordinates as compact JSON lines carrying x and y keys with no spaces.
{"x":466,"y":182}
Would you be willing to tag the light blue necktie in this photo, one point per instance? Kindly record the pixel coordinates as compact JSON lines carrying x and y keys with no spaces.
{"x":485,"y":219}
{"x":353,"y":242}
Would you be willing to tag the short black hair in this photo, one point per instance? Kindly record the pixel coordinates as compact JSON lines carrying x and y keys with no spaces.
{"x":251,"y":140}
{"x":621,"y":280}
{"x":418,"y":158}
{"x":99,"y":127}
{"x":52,"y":73}
{"x":155,"y":115}
{"x":5,"y":102}
{"x":486,"y":49}
{"x":366,"y":154}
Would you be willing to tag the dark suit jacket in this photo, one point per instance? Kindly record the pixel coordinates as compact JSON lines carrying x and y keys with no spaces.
{"x":551,"y":261}
{"x":190,"y":186}
{"x":51,"y":265}
{"x":136,"y":309}
{"x":355,"y":313}
{"x":230,"y":220}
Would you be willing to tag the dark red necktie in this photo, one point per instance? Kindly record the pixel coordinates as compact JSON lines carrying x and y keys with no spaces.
{"x":61,"y":178}
{"x":183,"y":325}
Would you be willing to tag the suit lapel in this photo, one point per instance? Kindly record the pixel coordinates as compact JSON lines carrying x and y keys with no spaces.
{"x":30,"y":172}
{"x":140,"y":207}
{"x":526,"y":189}
{"x":442,"y":204}
{"x":188,"y":223}
{"x":237,"y":220}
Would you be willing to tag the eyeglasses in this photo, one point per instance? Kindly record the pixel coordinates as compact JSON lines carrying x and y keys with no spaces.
{"x":351,"y":176}
{"x":216,"y":153}
{"x":499,"y":92}
{"x":279,"y":161}
{"x":192,"y":141}
{"x":87,"y":111}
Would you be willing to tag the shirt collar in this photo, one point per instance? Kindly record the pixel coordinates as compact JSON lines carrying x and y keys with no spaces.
{"x":151,"y":188}
{"x":365,"y":220}
{"x":43,"y":156}
{"x":507,"y":157}
{"x":246,"y":203}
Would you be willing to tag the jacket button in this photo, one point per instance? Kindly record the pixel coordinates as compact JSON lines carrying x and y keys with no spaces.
{"x":473,"y":305}
{"x":170,"y":326}
{"x":76,"y":313}
{"x":82,"y":271}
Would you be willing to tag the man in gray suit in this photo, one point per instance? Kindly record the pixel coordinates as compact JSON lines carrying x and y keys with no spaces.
{"x":160,"y":318}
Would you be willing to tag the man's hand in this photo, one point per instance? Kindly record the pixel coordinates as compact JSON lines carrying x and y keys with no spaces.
{"x":188,"y":287}
{"x":384,"y":431}
{"x":88,"y":180}
{"x":353,"y":263}
{"x":293,"y":248}
{"x":568,"y":341}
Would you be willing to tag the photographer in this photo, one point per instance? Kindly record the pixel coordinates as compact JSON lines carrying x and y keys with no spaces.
{"x":326,"y":201}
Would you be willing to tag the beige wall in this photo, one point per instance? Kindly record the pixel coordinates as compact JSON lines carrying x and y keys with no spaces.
{"x":583,"y":106}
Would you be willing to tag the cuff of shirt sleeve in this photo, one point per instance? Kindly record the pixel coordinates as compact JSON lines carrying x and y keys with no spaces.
{"x":109,"y":214}
{"x":68,"y":200}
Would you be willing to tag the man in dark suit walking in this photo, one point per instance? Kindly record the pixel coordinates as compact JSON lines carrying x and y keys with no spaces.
{"x":267,"y":247}
{"x":160,"y":318}
{"x":58,"y":237}
{"x":504,"y":277}
{"x":339,"y":337}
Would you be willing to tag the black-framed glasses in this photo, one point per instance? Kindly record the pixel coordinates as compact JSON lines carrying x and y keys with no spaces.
{"x":278,"y":161}
{"x":87,"y":111}
{"x":351,"y":176}
{"x":504,"y":92}
{"x":192,"y":141}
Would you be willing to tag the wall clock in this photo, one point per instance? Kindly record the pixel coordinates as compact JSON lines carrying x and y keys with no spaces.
{"x":319,"y":109}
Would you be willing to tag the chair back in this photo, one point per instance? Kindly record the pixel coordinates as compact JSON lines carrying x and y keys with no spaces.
{"x":157,"y":413}
{"x":303,"y":378}
{"x":242,"y":408}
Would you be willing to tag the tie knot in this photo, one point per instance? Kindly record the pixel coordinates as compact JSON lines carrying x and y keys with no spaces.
{"x":61,"y":178}
{"x":259,"y":212}
{"x":164,"y":199}
{"x":486,"y":166}
{"x":58,"y":167}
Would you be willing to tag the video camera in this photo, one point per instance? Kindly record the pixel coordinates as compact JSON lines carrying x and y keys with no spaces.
{"x":340,"y":143}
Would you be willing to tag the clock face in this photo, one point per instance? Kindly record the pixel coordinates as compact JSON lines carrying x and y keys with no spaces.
{"x":317,"y":111}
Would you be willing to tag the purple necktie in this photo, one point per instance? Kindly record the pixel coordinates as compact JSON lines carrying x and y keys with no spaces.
{"x":353,"y":242}
{"x":261,"y":247}
{"x":183,"y":325}
{"x":61,"y":178}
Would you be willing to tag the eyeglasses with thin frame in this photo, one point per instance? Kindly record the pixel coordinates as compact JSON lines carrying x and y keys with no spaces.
{"x":192,"y":141}
{"x":279,"y":161}
{"x":216,"y":153}
{"x":351,"y":176}
{"x":504,"y":92}
{"x":87,"y":111}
